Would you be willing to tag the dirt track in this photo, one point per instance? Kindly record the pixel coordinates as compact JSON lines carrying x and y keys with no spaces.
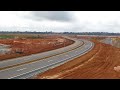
{"x":97,"y":64}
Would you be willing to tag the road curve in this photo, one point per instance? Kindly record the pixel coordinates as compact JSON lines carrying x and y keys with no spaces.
{"x":28,"y":66}
{"x":34,"y":57}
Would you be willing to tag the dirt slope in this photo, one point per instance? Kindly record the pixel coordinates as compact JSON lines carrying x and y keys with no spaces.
{"x":99,"y":63}
{"x":23,"y":47}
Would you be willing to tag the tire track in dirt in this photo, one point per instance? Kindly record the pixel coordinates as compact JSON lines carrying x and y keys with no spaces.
{"x":104,"y":70}
{"x":97,"y":64}
{"x":65,"y":68}
{"x":102,"y":67}
{"x":70,"y":72}
{"x":97,"y":68}
{"x":75,"y":68}
{"x":103,"y":64}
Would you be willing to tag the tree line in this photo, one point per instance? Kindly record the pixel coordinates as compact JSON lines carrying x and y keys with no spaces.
{"x":75,"y":33}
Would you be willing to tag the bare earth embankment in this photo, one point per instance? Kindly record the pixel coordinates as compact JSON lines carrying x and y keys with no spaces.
{"x":102,"y":62}
{"x":27,"y":46}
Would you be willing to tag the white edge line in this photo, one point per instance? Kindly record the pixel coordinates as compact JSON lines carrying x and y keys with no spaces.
{"x":31,"y":62}
{"x":52,"y":63}
{"x":37,"y":53}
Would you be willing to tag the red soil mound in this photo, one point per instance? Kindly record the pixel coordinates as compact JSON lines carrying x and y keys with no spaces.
{"x":22,"y":47}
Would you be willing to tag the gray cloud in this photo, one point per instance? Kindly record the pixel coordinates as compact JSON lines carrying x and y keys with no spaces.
{"x":51,"y":15}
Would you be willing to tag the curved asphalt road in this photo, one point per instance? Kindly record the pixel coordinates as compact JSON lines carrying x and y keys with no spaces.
{"x":25,"y":67}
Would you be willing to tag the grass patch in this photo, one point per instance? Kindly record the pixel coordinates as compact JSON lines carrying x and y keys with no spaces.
{"x":6,"y":36}
{"x":21,"y":36}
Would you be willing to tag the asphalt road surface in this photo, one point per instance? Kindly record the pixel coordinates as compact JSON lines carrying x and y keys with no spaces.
{"x":25,"y":67}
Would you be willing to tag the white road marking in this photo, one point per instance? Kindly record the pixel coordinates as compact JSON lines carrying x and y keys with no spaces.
{"x":21,"y":69}
{"x":33,"y":62}
{"x":50,"y":60}
{"x":41,"y":67}
{"x":20,"y":58}
{"x":51,"y":64}
{"x":36,"y":61}
{"x":29,"y":63}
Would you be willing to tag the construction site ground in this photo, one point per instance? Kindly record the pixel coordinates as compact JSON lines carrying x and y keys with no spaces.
{"x":102,"y":62}
{"x":27,"y":46}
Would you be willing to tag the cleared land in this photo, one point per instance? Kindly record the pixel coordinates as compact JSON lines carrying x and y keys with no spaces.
{"x":116,"y":42}
{"x":22,"y":45}
{"x":102,"y":62}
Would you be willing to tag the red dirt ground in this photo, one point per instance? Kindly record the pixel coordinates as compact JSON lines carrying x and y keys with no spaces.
{"x":31,"y":46}
{"x":99,"y":63}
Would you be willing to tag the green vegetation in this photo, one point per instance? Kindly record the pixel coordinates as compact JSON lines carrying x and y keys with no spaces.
{"x":21,"y":36}
{"x":29,"y":36}
{"x":6,"y":36}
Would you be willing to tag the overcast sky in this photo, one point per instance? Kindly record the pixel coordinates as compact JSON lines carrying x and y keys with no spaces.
{"x":60,"y":21}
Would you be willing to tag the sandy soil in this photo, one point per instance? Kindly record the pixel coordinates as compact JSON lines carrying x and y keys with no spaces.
{"x":23,"y":47}
{"x":102,"y":62}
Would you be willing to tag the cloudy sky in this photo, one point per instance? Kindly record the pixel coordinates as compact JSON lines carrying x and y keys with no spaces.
{"x":60,"y":21}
